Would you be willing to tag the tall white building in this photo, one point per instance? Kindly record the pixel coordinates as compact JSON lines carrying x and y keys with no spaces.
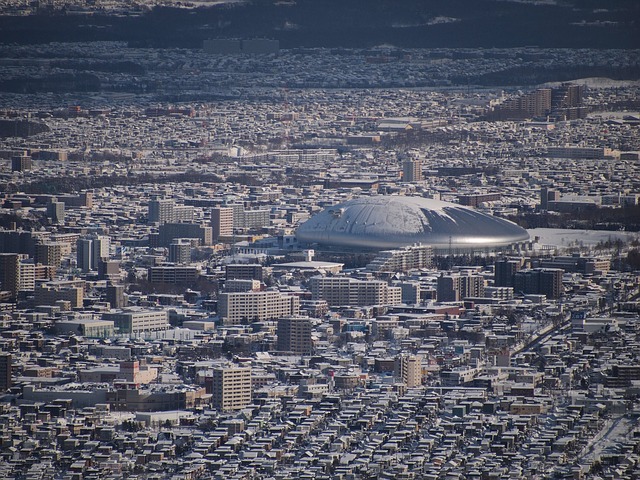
{"x":17,"y":273}
{"x":27,"y":275}
{"x":100,"y":249}
{"x":243,"y":218}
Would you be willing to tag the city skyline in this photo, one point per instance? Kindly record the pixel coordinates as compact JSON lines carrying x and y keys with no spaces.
{"x":319,"y":240}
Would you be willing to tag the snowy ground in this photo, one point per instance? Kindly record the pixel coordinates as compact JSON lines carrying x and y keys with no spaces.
{"x":561,"y":237}
{"x":598,"y":82}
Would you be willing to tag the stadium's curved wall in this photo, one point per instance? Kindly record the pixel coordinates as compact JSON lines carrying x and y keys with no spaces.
{"x":382,"y":222}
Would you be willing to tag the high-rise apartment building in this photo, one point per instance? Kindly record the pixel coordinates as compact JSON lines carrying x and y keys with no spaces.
{"x":234,"y":216}
{"x":456,"y":287}
{"x":5,"y":371}
{"x":412,"y":170}
{"x":244,"y":271}
{"x":504,"y":270}
{"x":83,"y":254}
{"x":18,"y":273}
{"x":162,"y":210}
{"x":27,"y":275}
{"x":533,"y":104}
{"x":20,"y":163}
{"x":402,"y":260}
{"x":222,"y":222}
{"x":10,"y":272}
{"x":542,"y":281}
{"x":180,"y":251}
{"x":100,"y":248}
{"x":590,"y":153}
{"x":562,"y":103}
{"x":55,"y":211}
{"x":257,"y":218}
{"x":51,"y":253}
{"x":90,"y":251}
{"x":566,"y":102}
{"x":245,"y":307}
{"x":408,"y":370}
{"x":294,"y":335}
{"x":231,"y":387}
{"x":350,"y":291}
{"x":471,"y":286}
{"x":173,"y":274}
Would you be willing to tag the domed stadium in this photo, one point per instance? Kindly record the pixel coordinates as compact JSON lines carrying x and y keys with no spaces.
{"x":390,"y":221}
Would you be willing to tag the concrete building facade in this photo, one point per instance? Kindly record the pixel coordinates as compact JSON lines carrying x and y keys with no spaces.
{"x":294,"y":335}
{"x":231,"y":387}
{"x":236,"y":308}
{"x":350,"y":291}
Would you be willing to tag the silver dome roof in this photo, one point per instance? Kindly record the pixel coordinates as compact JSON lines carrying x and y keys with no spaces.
{"x":390,"y":221}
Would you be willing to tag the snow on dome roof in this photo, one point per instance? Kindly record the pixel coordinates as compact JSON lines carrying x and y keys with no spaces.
{"x":392,"y":221}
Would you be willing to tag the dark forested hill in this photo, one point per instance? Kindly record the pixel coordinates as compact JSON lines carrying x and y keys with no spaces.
{"x":354,"y":23}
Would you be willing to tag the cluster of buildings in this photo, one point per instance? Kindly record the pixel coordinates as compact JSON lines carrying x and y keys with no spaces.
{"x":195,"y":74}
{"x":563,"y":102}
{"x":290,"y":366}
{"x":318,"y":285}
{"x":455,"y":381}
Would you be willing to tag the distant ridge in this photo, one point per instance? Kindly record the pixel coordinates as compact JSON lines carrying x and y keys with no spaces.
{"x":350,"y":24}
